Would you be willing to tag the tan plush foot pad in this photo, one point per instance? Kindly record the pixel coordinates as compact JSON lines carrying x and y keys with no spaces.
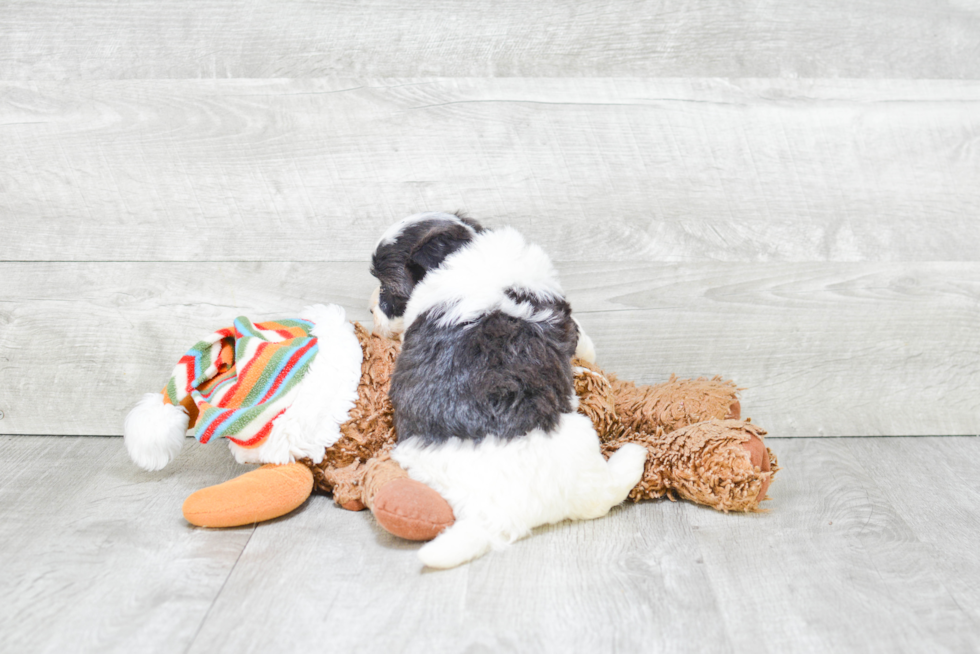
{"x":760,"y":459}
{"x":411,"y":510}
{"x":263,"y":494}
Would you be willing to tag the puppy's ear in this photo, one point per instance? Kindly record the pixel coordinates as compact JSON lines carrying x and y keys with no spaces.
{"x":477,"y":227}
{"x":438,"y":243}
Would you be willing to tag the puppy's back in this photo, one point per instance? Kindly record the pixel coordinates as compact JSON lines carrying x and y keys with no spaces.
{"x":500,"y":375}
{"x":489,"y":346}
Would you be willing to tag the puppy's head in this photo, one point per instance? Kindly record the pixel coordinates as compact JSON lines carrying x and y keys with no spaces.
{"x":403,"y":256}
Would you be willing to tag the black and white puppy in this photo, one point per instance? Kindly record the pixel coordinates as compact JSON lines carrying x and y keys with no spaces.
{"x":483,"y":388}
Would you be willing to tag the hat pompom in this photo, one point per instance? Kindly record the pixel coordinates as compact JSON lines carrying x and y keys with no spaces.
{"x":154,"y":431}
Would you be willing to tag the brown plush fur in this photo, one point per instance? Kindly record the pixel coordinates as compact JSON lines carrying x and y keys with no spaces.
{"x":369,"y":431}
{"x":693,"y":453}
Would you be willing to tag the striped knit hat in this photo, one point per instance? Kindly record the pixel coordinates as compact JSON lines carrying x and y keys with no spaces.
{"x":277,"y":391}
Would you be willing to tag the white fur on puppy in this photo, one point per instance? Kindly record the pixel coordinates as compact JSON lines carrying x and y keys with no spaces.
{"x":585,"y":349}
{"x":473,"y":281}
{"x":501,"y":489}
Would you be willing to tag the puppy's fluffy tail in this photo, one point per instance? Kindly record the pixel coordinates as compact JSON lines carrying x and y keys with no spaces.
{"x":154,"y":431}
{"x":462,"y":542}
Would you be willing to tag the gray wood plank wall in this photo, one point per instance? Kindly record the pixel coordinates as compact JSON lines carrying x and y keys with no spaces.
{"x":782,"y":194}
{"x":102,"y":39}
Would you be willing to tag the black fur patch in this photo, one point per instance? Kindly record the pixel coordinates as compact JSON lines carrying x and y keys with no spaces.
{"x":498,"y":375}
{"x":421,"y":247}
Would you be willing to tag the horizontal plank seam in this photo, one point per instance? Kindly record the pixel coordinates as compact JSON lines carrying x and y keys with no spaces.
{"x":591,"y":262}
{"x":768,"y":438}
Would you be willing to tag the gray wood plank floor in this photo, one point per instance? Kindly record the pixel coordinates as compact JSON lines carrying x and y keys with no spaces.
{"x":869,"y":546}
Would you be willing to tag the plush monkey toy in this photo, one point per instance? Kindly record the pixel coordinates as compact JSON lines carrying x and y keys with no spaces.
{"x":308,"y":398}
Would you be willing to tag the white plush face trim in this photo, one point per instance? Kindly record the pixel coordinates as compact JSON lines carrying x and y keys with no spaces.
{"x":472,"y":281}
{"x":324,"y":397}
{"x":500,"y":490}
{"x":393,"y":232}
{"x":383,"y":325}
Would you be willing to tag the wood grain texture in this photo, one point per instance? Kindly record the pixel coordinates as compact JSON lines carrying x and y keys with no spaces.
{"x":822,"y":349}
{"x":868,"y":563}
{"x":95,"y":553}
{"x":614,"y":587}
{"x":939,"y":520}
{"x":869,"y":546}
{"x":697,"y":38}
{"x":593,"y":169}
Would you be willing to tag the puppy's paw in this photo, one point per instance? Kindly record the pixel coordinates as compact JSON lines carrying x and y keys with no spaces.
{"x":627,"y":463}
{"x":585,"y":349}
{"x":626,"y":467}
